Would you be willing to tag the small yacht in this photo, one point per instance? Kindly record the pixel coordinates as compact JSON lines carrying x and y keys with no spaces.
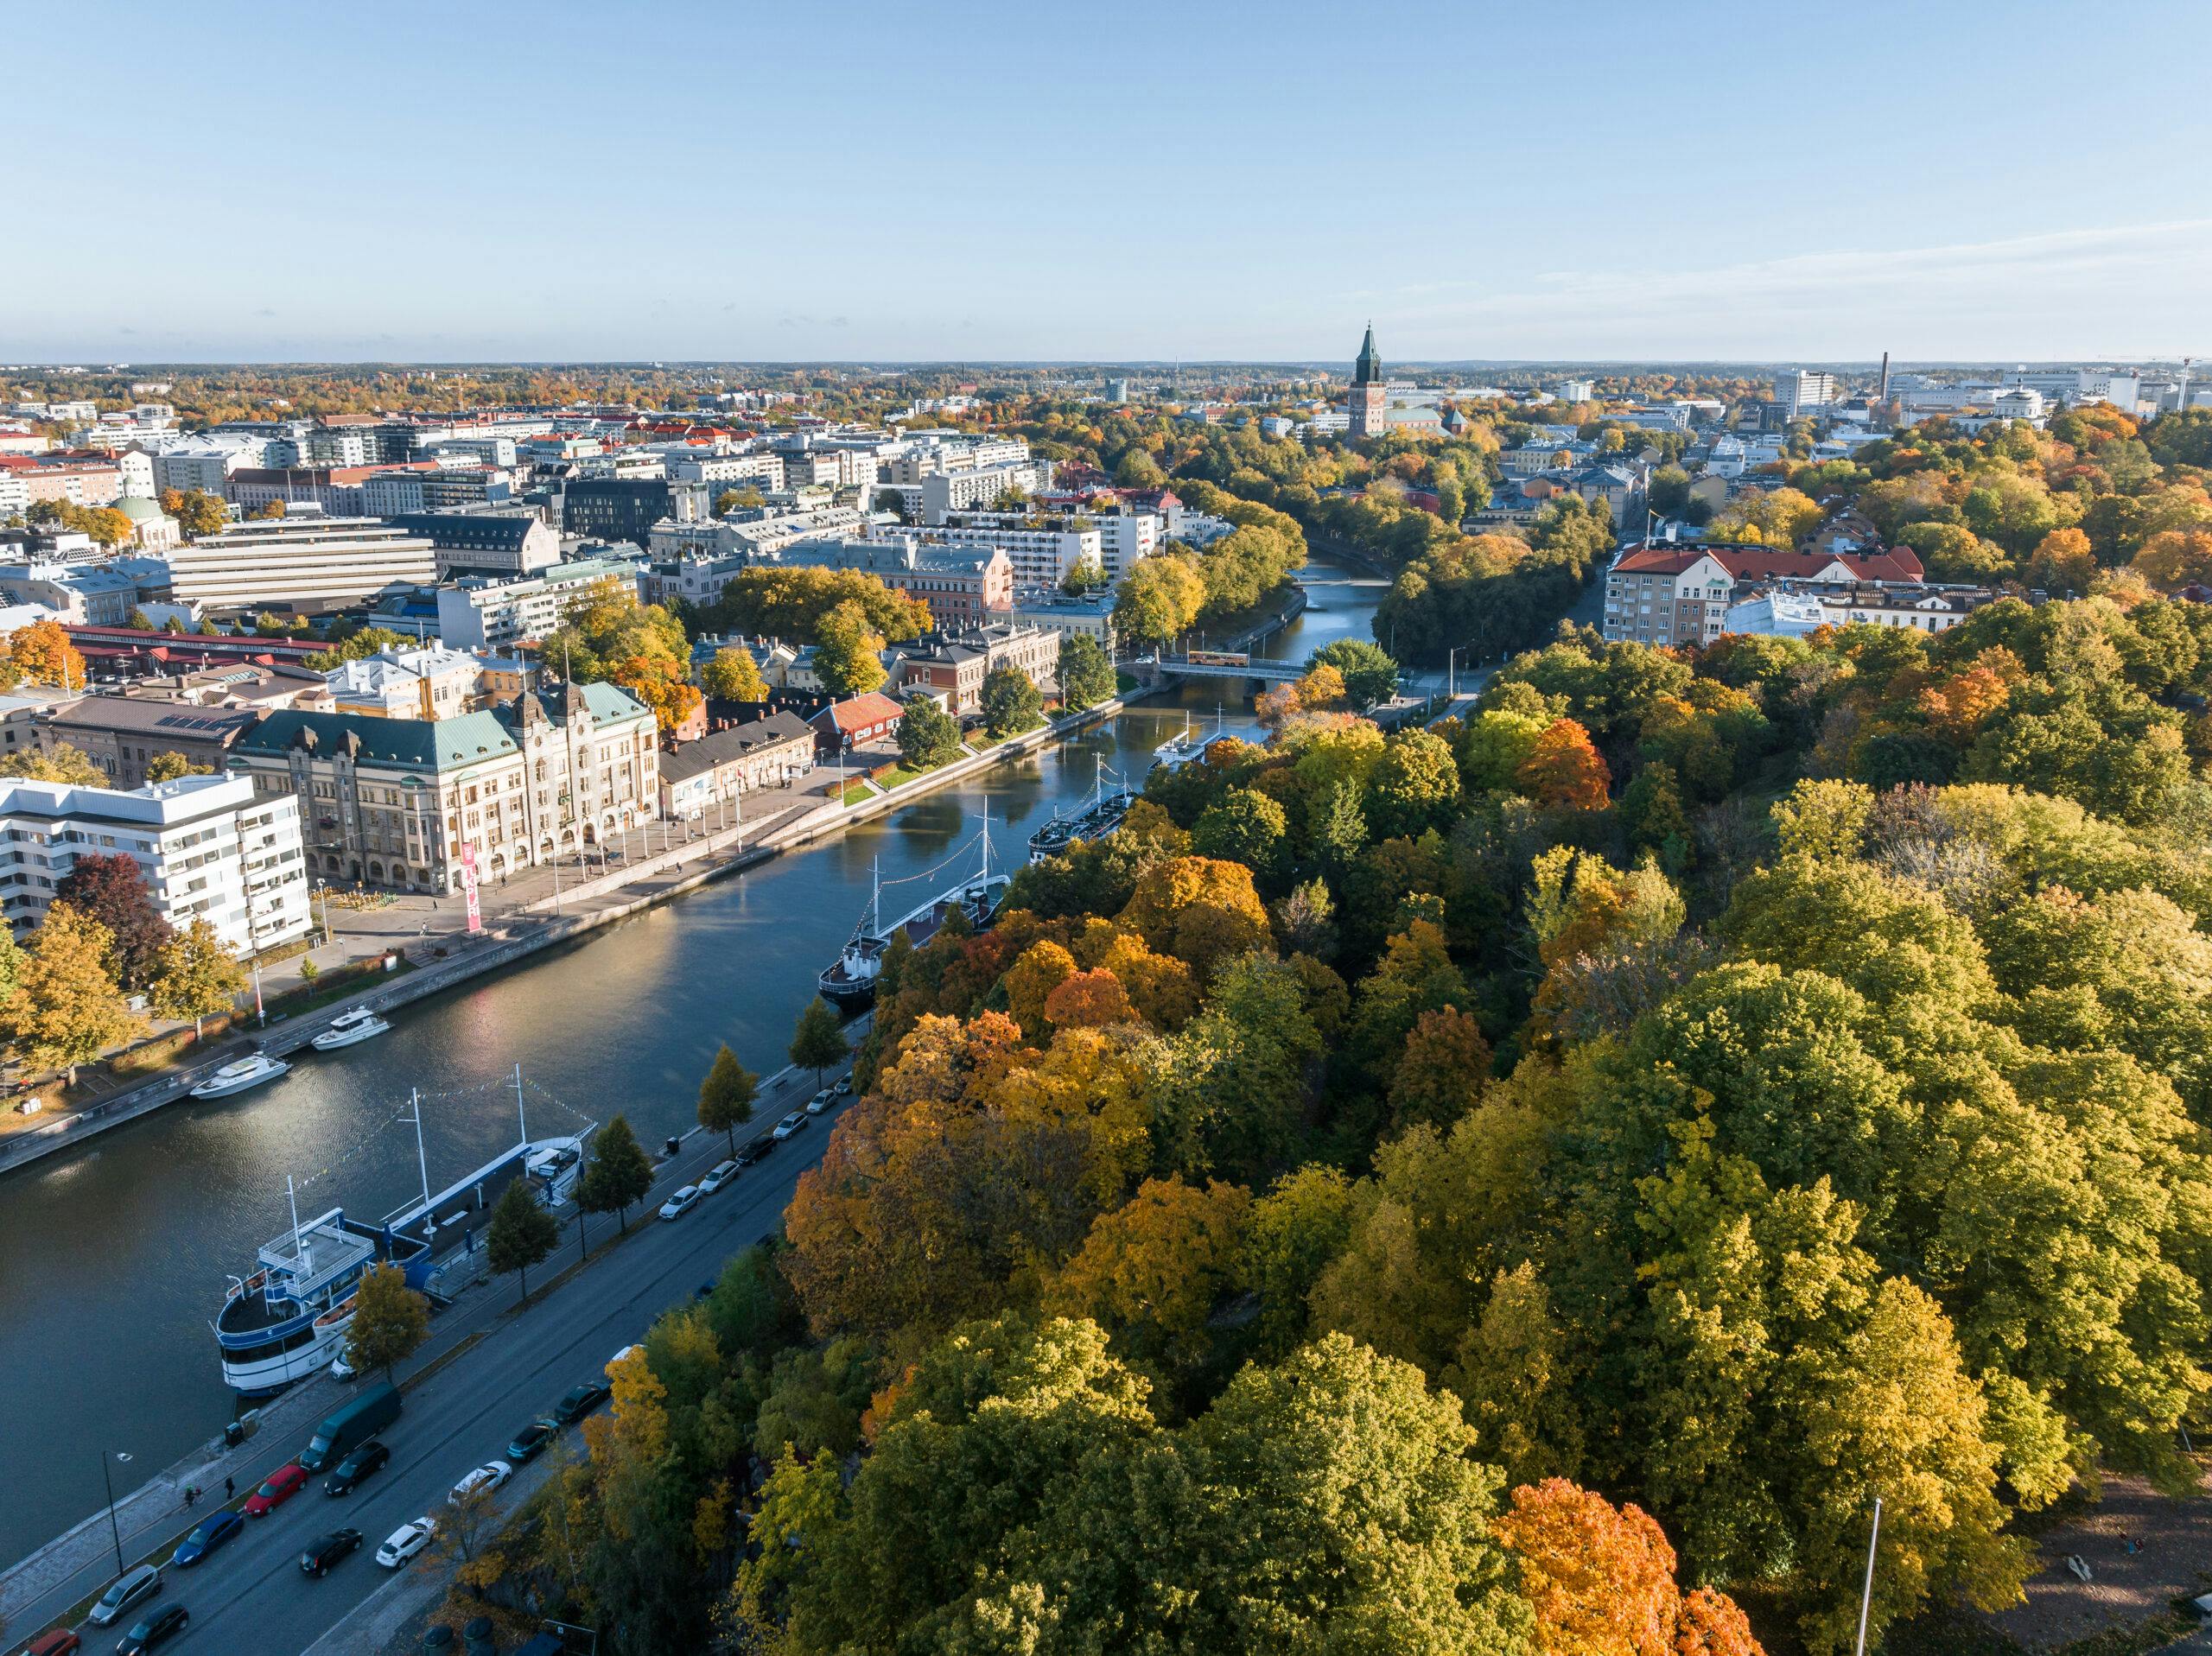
{"x":350,"y":1030}
{"x":240,"y":1074}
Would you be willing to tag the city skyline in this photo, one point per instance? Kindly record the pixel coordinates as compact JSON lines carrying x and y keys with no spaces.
{"x":707,"y":185}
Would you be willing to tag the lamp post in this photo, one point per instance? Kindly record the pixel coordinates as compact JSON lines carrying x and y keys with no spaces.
{"x":107,"y":1483}
{"x":1451,"y":674}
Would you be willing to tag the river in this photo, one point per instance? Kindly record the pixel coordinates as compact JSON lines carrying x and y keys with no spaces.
{"x":113,"y":1261}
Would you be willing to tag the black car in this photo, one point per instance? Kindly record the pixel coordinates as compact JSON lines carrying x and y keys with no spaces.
{"x":579,"y":1401}
{"x":321,"y":1555}
{"x":754,"y":1149}
{"x":159,"y":1627}
{"x":349,"y":1472}
{"x":528,"y":1443}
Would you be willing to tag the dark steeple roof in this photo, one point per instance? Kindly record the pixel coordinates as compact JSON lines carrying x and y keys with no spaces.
{"x":1368,"y":370}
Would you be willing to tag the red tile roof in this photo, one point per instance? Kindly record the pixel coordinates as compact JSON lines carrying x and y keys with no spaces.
{"x":1898,"y":564}
{"x":863,"y":712}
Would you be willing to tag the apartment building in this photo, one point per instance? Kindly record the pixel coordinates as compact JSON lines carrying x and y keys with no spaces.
{"x":1671,"y":595}
{"x":299,"y":565}
{"x":1043,"y":551}
{"x":1803,"y":390}
{"x":406,"y":802}
{"x":122,"y":734}
{"x":510,"y":541}
{"x":720,"y":471}
{"x":483,"y":613}
{"x":207,"y":846}
{"x":726,"y":765}
{"x":953,"y":666}
{"x":626,"y":508}
{"x":434,"y":682}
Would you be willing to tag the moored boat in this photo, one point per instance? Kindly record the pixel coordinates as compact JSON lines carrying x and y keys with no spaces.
{"x":350,"y":1029}
{"x":1095,"y":818}
{"x":240,"y":1074}
{"x":848,"y":983}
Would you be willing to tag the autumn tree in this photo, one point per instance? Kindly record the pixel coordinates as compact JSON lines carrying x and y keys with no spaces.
{"x":523,"y":1233}
{"x":168,"y":765}
{"x":1563,"y":770}
{"x":1201,"y":910}
{"x":1369,"y":677}
{"x":1157,"y":599}
{"x":41,"y":652}
{"x":733,"y":676}
{"x":60,"y":763}
{"x":726,"y":1096}
{"x":390,"y":1320}
{"x":1151,"y":1270}
{"x":847,"y":657}
{"x":66,"y":1009}
{"x":196,"y":975}
{"x":1444,"y":1066}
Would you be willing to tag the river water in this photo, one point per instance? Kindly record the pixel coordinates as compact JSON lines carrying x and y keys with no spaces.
{"x":113,"y":1262}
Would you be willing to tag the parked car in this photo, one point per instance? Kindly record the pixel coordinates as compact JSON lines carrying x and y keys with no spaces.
{"x":681,"y":1204}
{"x":790,"y":1124}
{"x":342,"y":1371}
{"x":322,"y":1554}
{"x":528,"y":1443}
{"x":578,"y":1401}
{"x":621,"y":1355}
{"x":347,"y":1476}
{"x":280,"y":1486}
{"x":721,"y":1174}
{"x":59,"y":1642}
{"x":821,"y":1101}
{"x":486,"y":1477}
{"x":131,"y":1587}
{"x":843,"y":1087}
{"x":208,"y":1534}
{"x":155,"y":1628}
{"x":406,"y":1542}
{"x":752,"y":1150}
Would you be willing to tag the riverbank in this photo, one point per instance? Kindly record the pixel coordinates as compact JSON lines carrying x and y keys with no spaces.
{"x":542,"y":922}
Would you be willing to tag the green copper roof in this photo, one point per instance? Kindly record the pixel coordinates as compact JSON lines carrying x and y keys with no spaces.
{"x":1368,"y":370}
{"x":440,"y":744}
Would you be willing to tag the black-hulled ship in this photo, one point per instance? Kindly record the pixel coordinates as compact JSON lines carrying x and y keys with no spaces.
{"x":849,"y":982}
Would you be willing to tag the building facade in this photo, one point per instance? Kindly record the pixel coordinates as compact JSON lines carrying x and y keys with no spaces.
{"x":954,"y":667}
{"x":962,"y":585}
{"x":407,"y":803}
{"x":1366,"y":405}
{"x":726,"y":764}
{"x":1668,"y":596}
{"x":122,"y":734}
{"x":209,"y":848}
{"x":299,"y":566}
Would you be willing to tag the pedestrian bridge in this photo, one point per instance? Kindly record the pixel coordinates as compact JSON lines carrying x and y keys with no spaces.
{"x":1207,"y":666}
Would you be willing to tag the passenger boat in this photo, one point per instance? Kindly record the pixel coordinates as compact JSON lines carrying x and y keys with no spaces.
{"x":240,"y":1074}
{"x":1187,"y":743}
{"x":1098,"y":816}
{"x":849,"y":982}
{"x":350,"y":1029}
{"x":291,"y":1316}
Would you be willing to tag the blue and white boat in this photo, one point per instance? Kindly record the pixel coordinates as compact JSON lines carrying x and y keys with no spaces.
{"x":290,"y":1317}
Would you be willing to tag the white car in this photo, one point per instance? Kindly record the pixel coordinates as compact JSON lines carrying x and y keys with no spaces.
{"x":486,"y":1477}
{"x":723,"y":1173}
{"x":681,"y":1204}
{"x":788,"y":1125}
{"x":341,"y":1370}
{"x":821,"y":1101}
{"x":843,"y":1088}
{"x":406,"y":1542}
{"x":621,"y":1355}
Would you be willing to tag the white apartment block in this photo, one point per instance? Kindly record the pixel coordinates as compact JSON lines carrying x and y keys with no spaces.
{"x":304,"y":564}
{"x":944,"y":493}
{"x":1043,"y":552}
{"x":208,"y":847}
{"x":480,"y":613}
{"x":1802,"y":390}
{"x":205,"y":463}
{"x":763,"y":472}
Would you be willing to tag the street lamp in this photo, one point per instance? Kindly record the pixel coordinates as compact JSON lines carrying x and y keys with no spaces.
{"x":108,"y":1483}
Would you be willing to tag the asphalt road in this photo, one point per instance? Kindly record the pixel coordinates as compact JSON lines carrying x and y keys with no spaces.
{"x":252,"y":1596}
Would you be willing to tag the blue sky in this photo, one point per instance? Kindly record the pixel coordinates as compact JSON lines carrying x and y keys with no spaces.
{"x":990,"y":181}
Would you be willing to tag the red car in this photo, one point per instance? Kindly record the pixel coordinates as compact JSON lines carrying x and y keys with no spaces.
{"x":285,"y":1482}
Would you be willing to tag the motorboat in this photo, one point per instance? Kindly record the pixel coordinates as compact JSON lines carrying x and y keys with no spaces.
{"x":350,"y":1029}
{"x":240,"y":1074}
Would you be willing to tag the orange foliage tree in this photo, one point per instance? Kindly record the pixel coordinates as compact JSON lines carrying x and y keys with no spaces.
{"x":1601,"y":1581}
{"x":1564,"y":770}
{"x":1200,"y":910}
{"x":43,"y":653}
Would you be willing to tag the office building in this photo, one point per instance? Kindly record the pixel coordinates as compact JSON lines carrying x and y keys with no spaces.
{"x":953,"y":666}
{"x":701,"y":776}
{"x":1043,"y":551}
{"x":626,"y":508}
{"x":1575,"y":391}
{"x":1090,"y":616}
{"x":962,"y":585}
{"x":122,"y":734}
{"x":304,"y":566}
{"x":513,"y":542}
{"x":432,"y":682}
{"x":412,"y":803}
{"x":207,"y":846}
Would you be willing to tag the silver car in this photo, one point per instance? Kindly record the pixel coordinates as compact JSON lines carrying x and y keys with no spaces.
{"x":132,"y":1587}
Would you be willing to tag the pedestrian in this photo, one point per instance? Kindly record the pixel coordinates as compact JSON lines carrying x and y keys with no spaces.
{"x":191,"y":1494}
{"x":230,"y":1489}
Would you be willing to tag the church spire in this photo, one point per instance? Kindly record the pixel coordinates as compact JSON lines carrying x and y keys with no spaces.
{"x":1368,"y":370}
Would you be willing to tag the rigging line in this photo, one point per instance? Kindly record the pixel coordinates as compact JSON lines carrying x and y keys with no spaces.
{"x":961,"y":850}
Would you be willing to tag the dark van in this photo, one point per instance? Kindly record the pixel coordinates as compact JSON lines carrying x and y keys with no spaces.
{"x":359,"y":1421}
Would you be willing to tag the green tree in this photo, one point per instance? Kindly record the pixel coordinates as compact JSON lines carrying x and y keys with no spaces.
{"x":928,"y":735}
{"x":1086,"y":677}
{"x":848,"y":657}
{"x":197,"y":975}
{"x":522,"y":1233}
{"x":1371,"y":676}
{"x":1011,"y":703}
{"x":390,"y":1320}
{"x":66,"y":1009}
{"x":733,"y":676}
{"x":818,"y":1043}
{"x":1245,"y":826}
{"x":726,"y":1096}
{"x":618,"y":1174}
